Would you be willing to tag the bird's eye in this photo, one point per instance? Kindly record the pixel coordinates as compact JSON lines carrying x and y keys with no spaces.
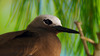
{"x":47,"y":21}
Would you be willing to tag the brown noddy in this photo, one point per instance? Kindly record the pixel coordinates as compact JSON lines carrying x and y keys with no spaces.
{"x":39,"y":38}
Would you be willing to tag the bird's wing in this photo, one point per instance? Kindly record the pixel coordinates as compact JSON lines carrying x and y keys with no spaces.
{"x":18,"y":43}
{"x":8,"y":36}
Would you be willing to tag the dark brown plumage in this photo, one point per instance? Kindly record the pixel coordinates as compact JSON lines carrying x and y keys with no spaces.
{"x":39,"y":39}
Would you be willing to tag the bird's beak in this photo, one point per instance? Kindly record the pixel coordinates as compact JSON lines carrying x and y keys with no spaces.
{"x":63,"y":29}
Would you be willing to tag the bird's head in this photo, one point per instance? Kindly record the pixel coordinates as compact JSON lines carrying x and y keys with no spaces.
{"x":49,"y":23}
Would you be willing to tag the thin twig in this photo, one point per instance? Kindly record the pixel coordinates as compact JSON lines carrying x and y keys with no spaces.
{"x":82,"y":37}
{"x":89,"y":40}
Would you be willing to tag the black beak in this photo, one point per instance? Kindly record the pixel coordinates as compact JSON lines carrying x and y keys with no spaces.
{"x":63,"y":29}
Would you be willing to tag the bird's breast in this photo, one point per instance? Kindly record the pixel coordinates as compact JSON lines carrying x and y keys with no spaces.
{"x":49,"y":46}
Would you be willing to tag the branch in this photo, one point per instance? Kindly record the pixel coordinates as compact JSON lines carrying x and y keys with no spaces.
{"x":89,"y":40}
{"x":82,"y":36}
{"x":78,"y":24}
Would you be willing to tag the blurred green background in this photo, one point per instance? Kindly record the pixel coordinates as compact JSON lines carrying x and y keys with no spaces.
{"x":15,"y":15}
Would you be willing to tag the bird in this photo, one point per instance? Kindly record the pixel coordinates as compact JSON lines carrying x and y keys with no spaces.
{"x":38,"y":39}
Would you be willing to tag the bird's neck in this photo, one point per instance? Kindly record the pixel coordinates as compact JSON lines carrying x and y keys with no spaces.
{"x":41,"y":30}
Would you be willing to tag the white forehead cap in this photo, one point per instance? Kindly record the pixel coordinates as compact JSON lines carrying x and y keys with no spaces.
{"x":54,"y":19}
